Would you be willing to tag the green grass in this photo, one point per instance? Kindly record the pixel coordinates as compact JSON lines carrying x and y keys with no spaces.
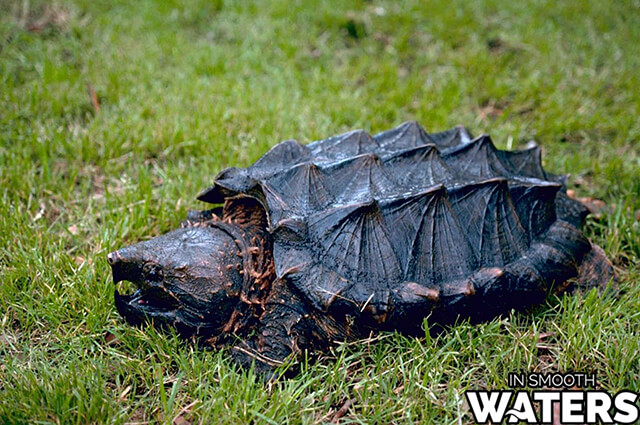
{"x":187,"y":90}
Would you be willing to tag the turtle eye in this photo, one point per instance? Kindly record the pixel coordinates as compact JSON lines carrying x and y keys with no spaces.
{"x":153,"y":272}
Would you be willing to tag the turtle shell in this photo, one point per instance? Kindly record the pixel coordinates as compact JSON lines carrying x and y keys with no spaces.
{"x":389,"y":225}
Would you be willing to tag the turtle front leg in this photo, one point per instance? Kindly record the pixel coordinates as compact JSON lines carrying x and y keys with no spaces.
{"x":288,"y":326}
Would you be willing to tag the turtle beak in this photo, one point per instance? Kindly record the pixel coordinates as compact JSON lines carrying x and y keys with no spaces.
{"x":122,"y":268}
{"x":126,"y":264}
{"x":117,"y":269}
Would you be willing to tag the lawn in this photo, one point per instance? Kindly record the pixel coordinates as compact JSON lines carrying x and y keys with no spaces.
{"x":113,"y":115}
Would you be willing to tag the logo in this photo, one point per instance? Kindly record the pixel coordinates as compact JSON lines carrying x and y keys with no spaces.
{"x":537,"y":406}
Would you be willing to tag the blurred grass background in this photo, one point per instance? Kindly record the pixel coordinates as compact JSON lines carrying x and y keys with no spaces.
{"x":113,"y":115}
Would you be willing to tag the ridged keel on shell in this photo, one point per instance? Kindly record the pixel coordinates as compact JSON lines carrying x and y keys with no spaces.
{"x":410,"y":218}
{"x":342,"y":147}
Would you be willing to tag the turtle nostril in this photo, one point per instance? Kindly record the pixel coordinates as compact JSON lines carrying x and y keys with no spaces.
{"x":111,"y":258}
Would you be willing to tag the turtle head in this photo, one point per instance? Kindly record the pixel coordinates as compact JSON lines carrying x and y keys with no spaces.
{"x":189,"y":279}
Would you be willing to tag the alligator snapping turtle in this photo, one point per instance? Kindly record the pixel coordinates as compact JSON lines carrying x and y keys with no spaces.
{"x":329,"y":241}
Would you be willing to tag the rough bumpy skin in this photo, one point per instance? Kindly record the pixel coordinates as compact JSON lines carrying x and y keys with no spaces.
{"x":329,"y":241}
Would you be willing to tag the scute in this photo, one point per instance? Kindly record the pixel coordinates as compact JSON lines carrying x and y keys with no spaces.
{"x":355,"y":241}
{"x":373,"y":224}
{"x":342,"y":147}
{"x":279,"y":158}
{"x":300,"y":190}
{"x":492,"y":224}
{"x":419,"y":167}
{"x":359,"y":179}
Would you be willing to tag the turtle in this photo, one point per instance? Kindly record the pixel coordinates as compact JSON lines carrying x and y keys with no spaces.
{"x":355,"y":234}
